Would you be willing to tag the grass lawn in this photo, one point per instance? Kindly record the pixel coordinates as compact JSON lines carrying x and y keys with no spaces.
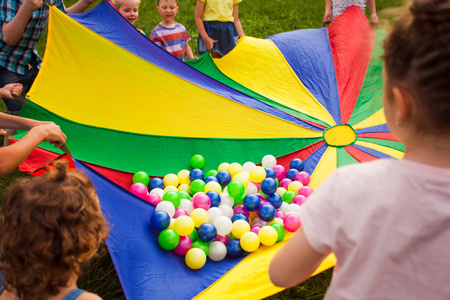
{"x":260,"y":18}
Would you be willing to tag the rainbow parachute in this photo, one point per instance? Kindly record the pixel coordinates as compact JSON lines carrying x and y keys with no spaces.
{"x":127,"y":105}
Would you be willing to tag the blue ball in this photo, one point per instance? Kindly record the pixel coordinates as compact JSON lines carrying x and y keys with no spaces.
{"x":215,"y":198}
{"x":239,"y":216}
{"x":297,"y":164}
{"x":291,"y":174}
{"x":160,"y":220}
{"x":155,"y":182}
{"x":270,"y":173}
{"x":234,"y":249}
{"x":276,"y":200}
{"x":207,"y":232}
{"x":211,"y":178}
{"x":252,"y":202}
{"x":269,"y":186}
{"x":267,"y":212}
{"x":224,"y":178}
{"x":196,"y":174}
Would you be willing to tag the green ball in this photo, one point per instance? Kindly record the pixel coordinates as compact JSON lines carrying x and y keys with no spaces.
{"x":168,"y":239}
{"x":197,"y":185}
{"x":194,"y":235}
{"x":280,"y":231}
{"x":197,"y":161}
{"x":173,"y":197}
{"x":141,"y":177}
{"x":211,"y":173}
{"x":235,"y":189}
{"x":240,"y":200}
{"x":201,"y":245}
{"x":184,"y":195}
{"x":262,"y":193}
{"x":288,"y":196}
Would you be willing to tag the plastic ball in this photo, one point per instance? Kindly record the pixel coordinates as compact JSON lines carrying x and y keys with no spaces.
{"x":297,"y":164}
{"x":292,"y":222}
{"x":193,"y":235}
{"x":299,"y":199}
{"x":213,"y":186}
{"x":201,"y":245}
{"x":223,"y":225}
{"x":197,"y":185}
{"x":269,"y":161}
{"x":197,"y":161}
{"x":186,"y":205}
{"x":266,"y":212}
{"x":291,"y":174}
{"x":284,"y":183}
{"x":280,"y":172}
{"x":196,"y":174}
{"x":246,"y":167}
{"x":234,"y":249}
{"x":157,"y":191}
{"x":184,"y":245}
{"x":217,"y":251}
{"x":234,"y":169}
{"x":269,"y":186}
{"x":180,"y":212}
{"x":223,"y":167}
{"x":195,"y":258}
{"x":171,"y":179}
{"x":200,"y":216}
{"x":211,"y":178}
{"x":255,"y":229}
{"x":224,"y":178}
{"x":183,"y":225}
{"x":257,"y":174}
{"x":226,"y":199}
{"x":222,"y":238}
{"x":275,"y":199}
{"x":295,"y":186}
{"x":184,"y":195}
{"x":227,"y":211}
{"x":276,"y":220}
{"x":139,"y":189}
{"x":250,"y":241}
{"x":281,"y":191}
{"x":201,"y":200}
{"x":172,"y":222}
{"x":215,"y":198}
{"x":156,"y":182}
{"x":170,"y":188}
{"x":303,"y":177}
{"x":185,"y":187}
{"x":183,"y":177}
{"x":212,"y":173}
{"x":239,"y":216}
{"x":141,"y":177}
{"x":239,"y":200}
{"x":288,"y":196}
{"x":153,"y":198}
{"x":173,"y":197}
{"x":168,"y":239}
{"x":292,"y":208}
{"x":207,"y":232}
{"x":236,"y":189}
{"x":213,"y":213}
{"x":280,"y":215}
{"x":252,"y":202}
{"x":239,"y":228}
{"x":241,"y":209}
{"x":305,"y":191}
{"x":270,"y":173}
{"x":166,"y":206}
{"x":258,"y":222}
{"x":280,"y":231}
{"x":251,"y":188}
{"x":268,"y":235}
{"x":242,"y":178}
{"x":160,"y":220}
{"x":283,"y":207}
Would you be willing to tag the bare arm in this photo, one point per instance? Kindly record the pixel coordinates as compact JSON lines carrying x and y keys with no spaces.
{"x":295,"y":262}
{"x":209,"y":42}
{"x":189,"y":53}
{"x":373,"y":13}
{"x":237,"y":22}
{"x":15,"y":122}
{"x":80,"y":6}
{"x":328,"y":15}
{"x":13,"y":31}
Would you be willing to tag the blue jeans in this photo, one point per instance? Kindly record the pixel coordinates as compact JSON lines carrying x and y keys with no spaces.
{"x":13,"y":107}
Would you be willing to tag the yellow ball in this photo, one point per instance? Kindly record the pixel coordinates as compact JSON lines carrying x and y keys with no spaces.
{"x":200,"y":216}
{"x":184,"y":187}
{"x":170,"y":188}
{"x":295,"y":186}
{"x":276,"y":220}
{"x":223,"y":167}
{"x":242,"y":178}
{"x":239,"y":228}
{"x":257,"y":174}
{"x":234,"y":168}
{"x":195,"y":258}
{"x":250,"y":241}
{"x":184,"y":225}
{"x":281,"y":191}
{"x":268,"y":235}
{"x":183,"y":177}
{"x":172,"y":223}
{"x":213,"y":186}
{"x":171,"y":179}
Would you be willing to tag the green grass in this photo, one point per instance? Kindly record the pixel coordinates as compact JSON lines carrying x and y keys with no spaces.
{"x":260,"y":18}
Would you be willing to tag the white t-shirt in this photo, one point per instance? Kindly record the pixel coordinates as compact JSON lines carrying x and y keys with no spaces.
{"x":339,"y":6}
{"x":388,"y":223}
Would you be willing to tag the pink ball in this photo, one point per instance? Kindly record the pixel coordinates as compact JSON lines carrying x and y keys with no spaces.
{"x":241,"y":209}
{"x":285,"y":183}
{"x":255,"y":229}
{"x":183,"y":246}
{"x":201,"y":201}
{"x":292,"y":222}
{"x":180,"y":212}
{"x":303,"y":177}
{"x":153,"y":198}
{"x":299,"y":199}
{"x":260,"y":197}
{"x":139,"y":189}
{"x":305,"y":191}
{"x":280,"y":172}
{"x":222,"y":238}
{"x":258,"y":185}
{"x":280,"y":214}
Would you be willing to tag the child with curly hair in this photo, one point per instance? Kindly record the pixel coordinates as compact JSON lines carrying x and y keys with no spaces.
{"x":50,"y":226}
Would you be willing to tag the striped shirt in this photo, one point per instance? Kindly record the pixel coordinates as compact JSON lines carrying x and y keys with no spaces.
{"x":16,"y":58}
{"x":173,"y":40}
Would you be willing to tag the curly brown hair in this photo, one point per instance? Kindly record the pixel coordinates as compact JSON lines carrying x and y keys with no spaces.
{"x":50,"y":226}
{"x":417,"y":56}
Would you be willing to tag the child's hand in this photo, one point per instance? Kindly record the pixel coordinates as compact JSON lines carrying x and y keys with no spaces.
{"x":327,"y":17}
{"x":11,"y":90}
{"x":209,"y":43}
{"x":50,"y":132}
{"x":373,"y":20}
{"x":32,"y":5}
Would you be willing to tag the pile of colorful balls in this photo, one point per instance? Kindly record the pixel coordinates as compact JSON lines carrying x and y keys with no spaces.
{"x":225,"y":212}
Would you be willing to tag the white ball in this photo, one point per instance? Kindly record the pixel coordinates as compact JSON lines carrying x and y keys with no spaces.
{"x":223,"y":225}
{"x":217,"y":251}
{"x":251,"y":188}
{"x":186,"y":205}
{"x":158,"y":191}
{"x":292,"y":208}
{"x":248,"y":166}
{"x":226,"y":199}
{"x":283,"y":207}
{"x":227,"y":211}
{"x":213,"y":213}
{"x":269,"y":161}
{"x":166,"y":206}
{"x":258,"y":222}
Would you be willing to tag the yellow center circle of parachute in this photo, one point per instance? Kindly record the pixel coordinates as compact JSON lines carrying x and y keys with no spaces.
{"x":339,"y":136}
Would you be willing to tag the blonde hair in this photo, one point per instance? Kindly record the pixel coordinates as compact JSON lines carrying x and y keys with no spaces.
{"x":118,"y":3}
